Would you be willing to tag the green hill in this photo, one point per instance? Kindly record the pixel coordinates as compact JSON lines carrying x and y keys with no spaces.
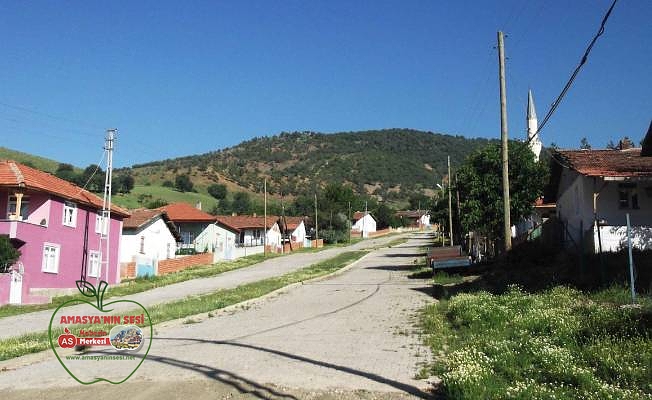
{"x":389,"y":164}
{"x":44,"y":164}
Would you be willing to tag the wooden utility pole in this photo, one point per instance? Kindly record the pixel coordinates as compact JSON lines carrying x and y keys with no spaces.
{"x":316,"y":224}
{"x":503,"y":138}
{"x":265,"y":229}
{"x":450,"y":209}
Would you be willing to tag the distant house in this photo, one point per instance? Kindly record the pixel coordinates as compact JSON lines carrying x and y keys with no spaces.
{"x":363,"y":223}
{"x":56,"y":226}
{"x":196,"y":227}
{"x":147,"y":237}
{"x":597,"y":188}
{"x":247,"y":233}
{"x":294,"y":227}
{"x":414,"y":218}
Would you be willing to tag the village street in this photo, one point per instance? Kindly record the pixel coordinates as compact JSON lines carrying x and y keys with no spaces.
{"x":350,"y":336}
{"x":38,"y":321}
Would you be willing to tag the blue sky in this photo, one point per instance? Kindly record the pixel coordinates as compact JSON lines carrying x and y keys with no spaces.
{"x":181,"y":78}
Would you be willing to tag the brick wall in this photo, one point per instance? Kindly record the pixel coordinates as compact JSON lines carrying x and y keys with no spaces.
{"x":127,"y":270}
{"x":181,"y":263}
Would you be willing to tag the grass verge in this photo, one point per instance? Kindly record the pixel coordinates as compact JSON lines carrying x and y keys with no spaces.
{"x":142,"y":284}
{"x":39,"y":341}
{"x":557,"y":344}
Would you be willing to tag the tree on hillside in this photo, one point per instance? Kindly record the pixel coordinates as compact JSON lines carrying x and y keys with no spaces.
{"x":183,"y":183}
{"x":218,"y":191}
{"x":241,"y":203}
{"x":584,"y":144}
{"x":66,"y":172}
{"x":480,"y":187}
{"x":92,"y":178}
{"x":122,"y":183}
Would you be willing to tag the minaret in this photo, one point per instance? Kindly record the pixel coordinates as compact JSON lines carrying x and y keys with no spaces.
{"x":532,"y":127}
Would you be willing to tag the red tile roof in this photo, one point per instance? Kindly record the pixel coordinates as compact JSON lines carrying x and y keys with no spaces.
{"x":293,"y":222}
{"x":140,"y":217}
{"x":17,"y":175}
{"x":184,"y":212}
{"x":607,"y":163}
{"x":241,"y":222}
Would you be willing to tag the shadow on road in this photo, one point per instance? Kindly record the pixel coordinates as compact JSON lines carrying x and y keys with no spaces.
{"x":230,"y":378}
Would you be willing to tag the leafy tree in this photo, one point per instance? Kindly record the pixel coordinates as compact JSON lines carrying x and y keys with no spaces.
{"x":480,"y":187}
{"x":8,"y":254}
{"x":611,"y":145}
{"x":156,"y":203}
{"x":241,"y":203}
{"x":584,"y":144}
{"x":385,"y":217}
{"x":168,"y":183}
{"x":218,"y":191}
{"x":122,"y":183}
{"x":66,"y":172}
{"x":183,"y":183}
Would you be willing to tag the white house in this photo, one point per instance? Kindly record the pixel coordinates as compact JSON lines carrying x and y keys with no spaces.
{"x":240,"y":235}
{"x":147,"y":237}
{"x":294,"y":227}
{"x":196,"y":227}
{"x":597,"y":188}
{"x":364,"y":223}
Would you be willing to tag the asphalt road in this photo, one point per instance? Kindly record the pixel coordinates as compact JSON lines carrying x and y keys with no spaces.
{"x":352,"y":336}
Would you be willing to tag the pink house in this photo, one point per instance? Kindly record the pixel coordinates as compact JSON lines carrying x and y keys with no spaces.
{"x":56,"y":226}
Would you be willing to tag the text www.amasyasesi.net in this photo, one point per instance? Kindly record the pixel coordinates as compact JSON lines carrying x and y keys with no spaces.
{"x":101,"y":358}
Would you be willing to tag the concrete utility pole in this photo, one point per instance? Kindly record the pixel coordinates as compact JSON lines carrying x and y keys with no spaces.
{"x":106,"y":207}
{"x":450,"y":208}
{"x":503,"y":138}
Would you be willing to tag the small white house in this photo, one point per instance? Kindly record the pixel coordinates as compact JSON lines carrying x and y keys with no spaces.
{"x":294,"y":227}
{"x":147,"y":237}
{"x":364,"y":223}
{"x":240,"y":235}
{"x":598,"y":188}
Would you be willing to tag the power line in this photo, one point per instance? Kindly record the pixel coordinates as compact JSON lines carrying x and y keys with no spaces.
{"x":575,"y":72}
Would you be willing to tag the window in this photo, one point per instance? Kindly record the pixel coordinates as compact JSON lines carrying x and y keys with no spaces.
{"x":24,"y":207}
{"x":627,"y":196}
{"x":100,"y":226}
{"x":94,"y":264}
{"x":142,"y":245}
{"x":70,"y":214}
{"x":50,"y":258}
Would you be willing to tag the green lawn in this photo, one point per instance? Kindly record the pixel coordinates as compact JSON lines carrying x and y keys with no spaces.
{"x":557,"y":344}
{"x":150,"y":193}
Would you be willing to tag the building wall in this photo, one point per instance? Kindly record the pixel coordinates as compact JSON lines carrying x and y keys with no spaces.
{"x":365,"y":224}
{"x":159,"y":244}
{"x":299,"y":234}
{"x":70,"y":240}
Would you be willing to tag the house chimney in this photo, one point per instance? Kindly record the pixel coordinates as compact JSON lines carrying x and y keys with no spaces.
{"x":625,"y":143}
{"x":646,"y":151}
{"x":198,"y":205}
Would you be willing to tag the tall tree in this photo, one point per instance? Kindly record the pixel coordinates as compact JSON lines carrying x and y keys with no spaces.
{"x":183,"y":183}
{"x":217,"y":190}
{"x":479,"y":183}
{"x":241,"y":203}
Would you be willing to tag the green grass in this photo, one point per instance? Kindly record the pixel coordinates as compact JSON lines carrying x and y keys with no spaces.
{"x":39,"y":341}
{"x":41,"y":163}
{"x":443,"y":278}
{"x":130,"y":200}
{"x":558,"y":344}
{"x":142,"y":284}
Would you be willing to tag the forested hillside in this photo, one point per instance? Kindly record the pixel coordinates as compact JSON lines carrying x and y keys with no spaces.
{"x":391,"y":164}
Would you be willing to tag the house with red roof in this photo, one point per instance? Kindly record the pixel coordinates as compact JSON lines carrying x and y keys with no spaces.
{"x":598,"y":188}
{"x":148,"y":236}
{"x":363,"y":223}
{"x":241,"y":235}
{"x":196,"y":227}
{"x":56,"y":226}
{"x":293,"y":229}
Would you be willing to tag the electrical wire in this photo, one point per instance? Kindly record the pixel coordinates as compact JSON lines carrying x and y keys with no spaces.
{"x":583,"y":60}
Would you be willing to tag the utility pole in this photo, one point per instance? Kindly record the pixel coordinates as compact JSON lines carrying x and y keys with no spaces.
{"x":503,"y":138}
{"x":106,"y":206}
{"x":265,"y":212}
{"x":450,"y":200}
{"x":316,"y":224}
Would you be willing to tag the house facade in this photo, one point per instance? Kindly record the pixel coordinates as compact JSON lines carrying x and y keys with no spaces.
{"x":597,"y":190}
{"x":294,"y":229}
{"x":56,"y":226}
{"x":241,"y":235}
{"x":364,"y":223}
{"x":196,"y":227}
{"x":414,"y":219}
{"x":147,"y":237}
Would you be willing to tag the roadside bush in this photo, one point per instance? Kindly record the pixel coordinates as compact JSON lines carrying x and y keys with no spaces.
{"x":332,"y":236}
